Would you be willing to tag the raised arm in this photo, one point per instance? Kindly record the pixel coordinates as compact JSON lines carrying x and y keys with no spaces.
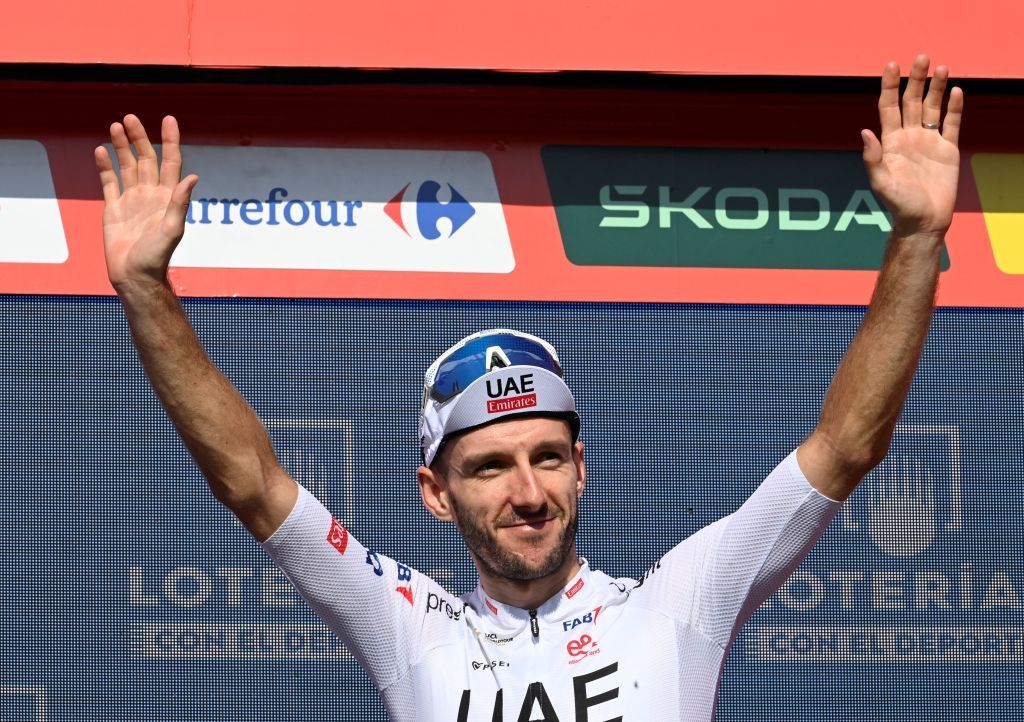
{"x":914,"y":169}
{"x":143,"y":222}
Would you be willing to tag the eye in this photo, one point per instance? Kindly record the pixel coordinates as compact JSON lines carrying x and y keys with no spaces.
{"x":549,"y":458}
{"x":489,"y":467}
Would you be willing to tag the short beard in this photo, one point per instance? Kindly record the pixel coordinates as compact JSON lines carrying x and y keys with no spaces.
{"x":499,"y":562}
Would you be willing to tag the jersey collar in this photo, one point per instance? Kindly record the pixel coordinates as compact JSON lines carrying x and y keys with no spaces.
{"x":575,"y":597}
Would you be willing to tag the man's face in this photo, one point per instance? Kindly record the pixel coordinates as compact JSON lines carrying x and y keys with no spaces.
{"x":513,"y":489}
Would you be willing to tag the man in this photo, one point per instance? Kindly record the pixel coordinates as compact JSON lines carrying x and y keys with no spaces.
{"x":543,"y":637}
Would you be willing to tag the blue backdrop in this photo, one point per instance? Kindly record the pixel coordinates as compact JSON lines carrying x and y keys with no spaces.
{"x":130,"y":594}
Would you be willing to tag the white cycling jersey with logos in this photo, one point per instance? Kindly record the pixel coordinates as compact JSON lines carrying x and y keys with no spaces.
{"x":602,"y":649}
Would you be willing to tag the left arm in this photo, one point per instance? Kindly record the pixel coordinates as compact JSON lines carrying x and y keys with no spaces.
{"x":914,"y":169}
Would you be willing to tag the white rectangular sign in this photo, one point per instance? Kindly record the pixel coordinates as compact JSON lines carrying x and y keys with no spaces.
{"x":344,"y":209}
{"x":31,"y":229}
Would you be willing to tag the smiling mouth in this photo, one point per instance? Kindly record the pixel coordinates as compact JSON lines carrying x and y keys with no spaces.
{"x":535,"y":524}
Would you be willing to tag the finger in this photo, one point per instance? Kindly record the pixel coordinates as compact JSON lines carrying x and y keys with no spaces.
{"x":148,"y":171}
{"x":889,"y":100}
{"x":108,"y":178}
{"x":931,"y":110}
{"x":177,"y":208}
{"x":170,"y":163}
{"x":915,"y":92}
{"x":125,"y":158}
{"x":954,"y":113}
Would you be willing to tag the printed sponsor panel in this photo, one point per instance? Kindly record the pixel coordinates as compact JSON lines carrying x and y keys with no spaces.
{"x":190,"y":612}
{"x":344,"y":209}
{"x":889,"y":644}
{"x":126,"y":574}
{"x":716,"y":208}
{"x":31,"y":230}
{"x":1000,"y":180}
{"x":915,"y":584}
{"x":617,"y":223}
{"x":191,"y":642}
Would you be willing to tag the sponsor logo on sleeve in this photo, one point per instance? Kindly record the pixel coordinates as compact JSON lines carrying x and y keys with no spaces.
{"x":647,"y":574}
{"x":374,"y":561}
{"x":337,"y":536}
{"x":405,"y":575}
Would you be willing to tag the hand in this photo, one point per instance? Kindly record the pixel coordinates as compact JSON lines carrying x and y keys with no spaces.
{"x":143,"y":224}
{"x":914,"y":169}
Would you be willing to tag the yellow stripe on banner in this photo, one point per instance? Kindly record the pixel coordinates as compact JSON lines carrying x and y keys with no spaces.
{"x":1000,"y":179}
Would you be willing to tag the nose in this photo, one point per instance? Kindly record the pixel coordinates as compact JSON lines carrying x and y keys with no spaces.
{"x":526,"y":494}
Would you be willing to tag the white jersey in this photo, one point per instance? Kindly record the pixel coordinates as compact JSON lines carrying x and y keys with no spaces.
{"x":601,"y":650}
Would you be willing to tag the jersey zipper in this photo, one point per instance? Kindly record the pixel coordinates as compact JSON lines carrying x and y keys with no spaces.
{"x":534,"y":624}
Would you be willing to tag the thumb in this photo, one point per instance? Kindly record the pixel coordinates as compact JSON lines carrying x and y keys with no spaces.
{"x":872,"y":156}
{"x":177,"y":208}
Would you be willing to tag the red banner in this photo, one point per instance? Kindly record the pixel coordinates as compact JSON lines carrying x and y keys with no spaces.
{"x":452,"y":211}
{"x":789,"y":37}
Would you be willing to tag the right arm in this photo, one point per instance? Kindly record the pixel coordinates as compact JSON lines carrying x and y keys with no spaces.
{"x":143,"y":222}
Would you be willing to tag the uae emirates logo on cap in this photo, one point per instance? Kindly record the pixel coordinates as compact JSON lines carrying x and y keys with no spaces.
{"x":510,"y":393}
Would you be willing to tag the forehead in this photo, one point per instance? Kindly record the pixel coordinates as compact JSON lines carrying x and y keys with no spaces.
{"x":510,"y":434}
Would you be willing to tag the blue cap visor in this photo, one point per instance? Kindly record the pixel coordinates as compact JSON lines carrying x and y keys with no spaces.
{"x":467,"y":363}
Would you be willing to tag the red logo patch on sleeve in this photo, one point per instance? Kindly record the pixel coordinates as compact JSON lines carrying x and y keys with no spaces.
{"x":337,"y":537}
{"x":405,"y":592}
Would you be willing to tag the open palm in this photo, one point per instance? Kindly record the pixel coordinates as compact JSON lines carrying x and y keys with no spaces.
{"x":144,"y":215}
{"x":915,"y":167}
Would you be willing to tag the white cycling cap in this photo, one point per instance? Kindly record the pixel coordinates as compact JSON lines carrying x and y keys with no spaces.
{"x":489,"y":376}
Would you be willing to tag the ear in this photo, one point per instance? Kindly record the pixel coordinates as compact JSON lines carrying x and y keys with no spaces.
{"x":434,"y":492}
{"x":581,"y":468}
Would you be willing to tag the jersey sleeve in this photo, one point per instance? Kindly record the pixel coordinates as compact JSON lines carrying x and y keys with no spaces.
{"x":373,"y":603}
{"x":719,"y":576}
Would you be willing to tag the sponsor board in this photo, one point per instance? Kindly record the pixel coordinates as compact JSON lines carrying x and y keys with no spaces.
{"x":181,"y":609}
{"x":297,"y":441}
{"x":31,"y":230}
{"x":1000,"y":181}
{"x":230,"y":641}
{"x":904,"y":577}
{"x":716,"y":208}
{"x":618,"y":224}
{"x":344,"y":209}
{"x":890,"y":644}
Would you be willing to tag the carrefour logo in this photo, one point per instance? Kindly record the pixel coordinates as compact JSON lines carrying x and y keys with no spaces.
{"x":430,"y":210}
{"x":273,"y":209}
{"x":345,"y":209}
